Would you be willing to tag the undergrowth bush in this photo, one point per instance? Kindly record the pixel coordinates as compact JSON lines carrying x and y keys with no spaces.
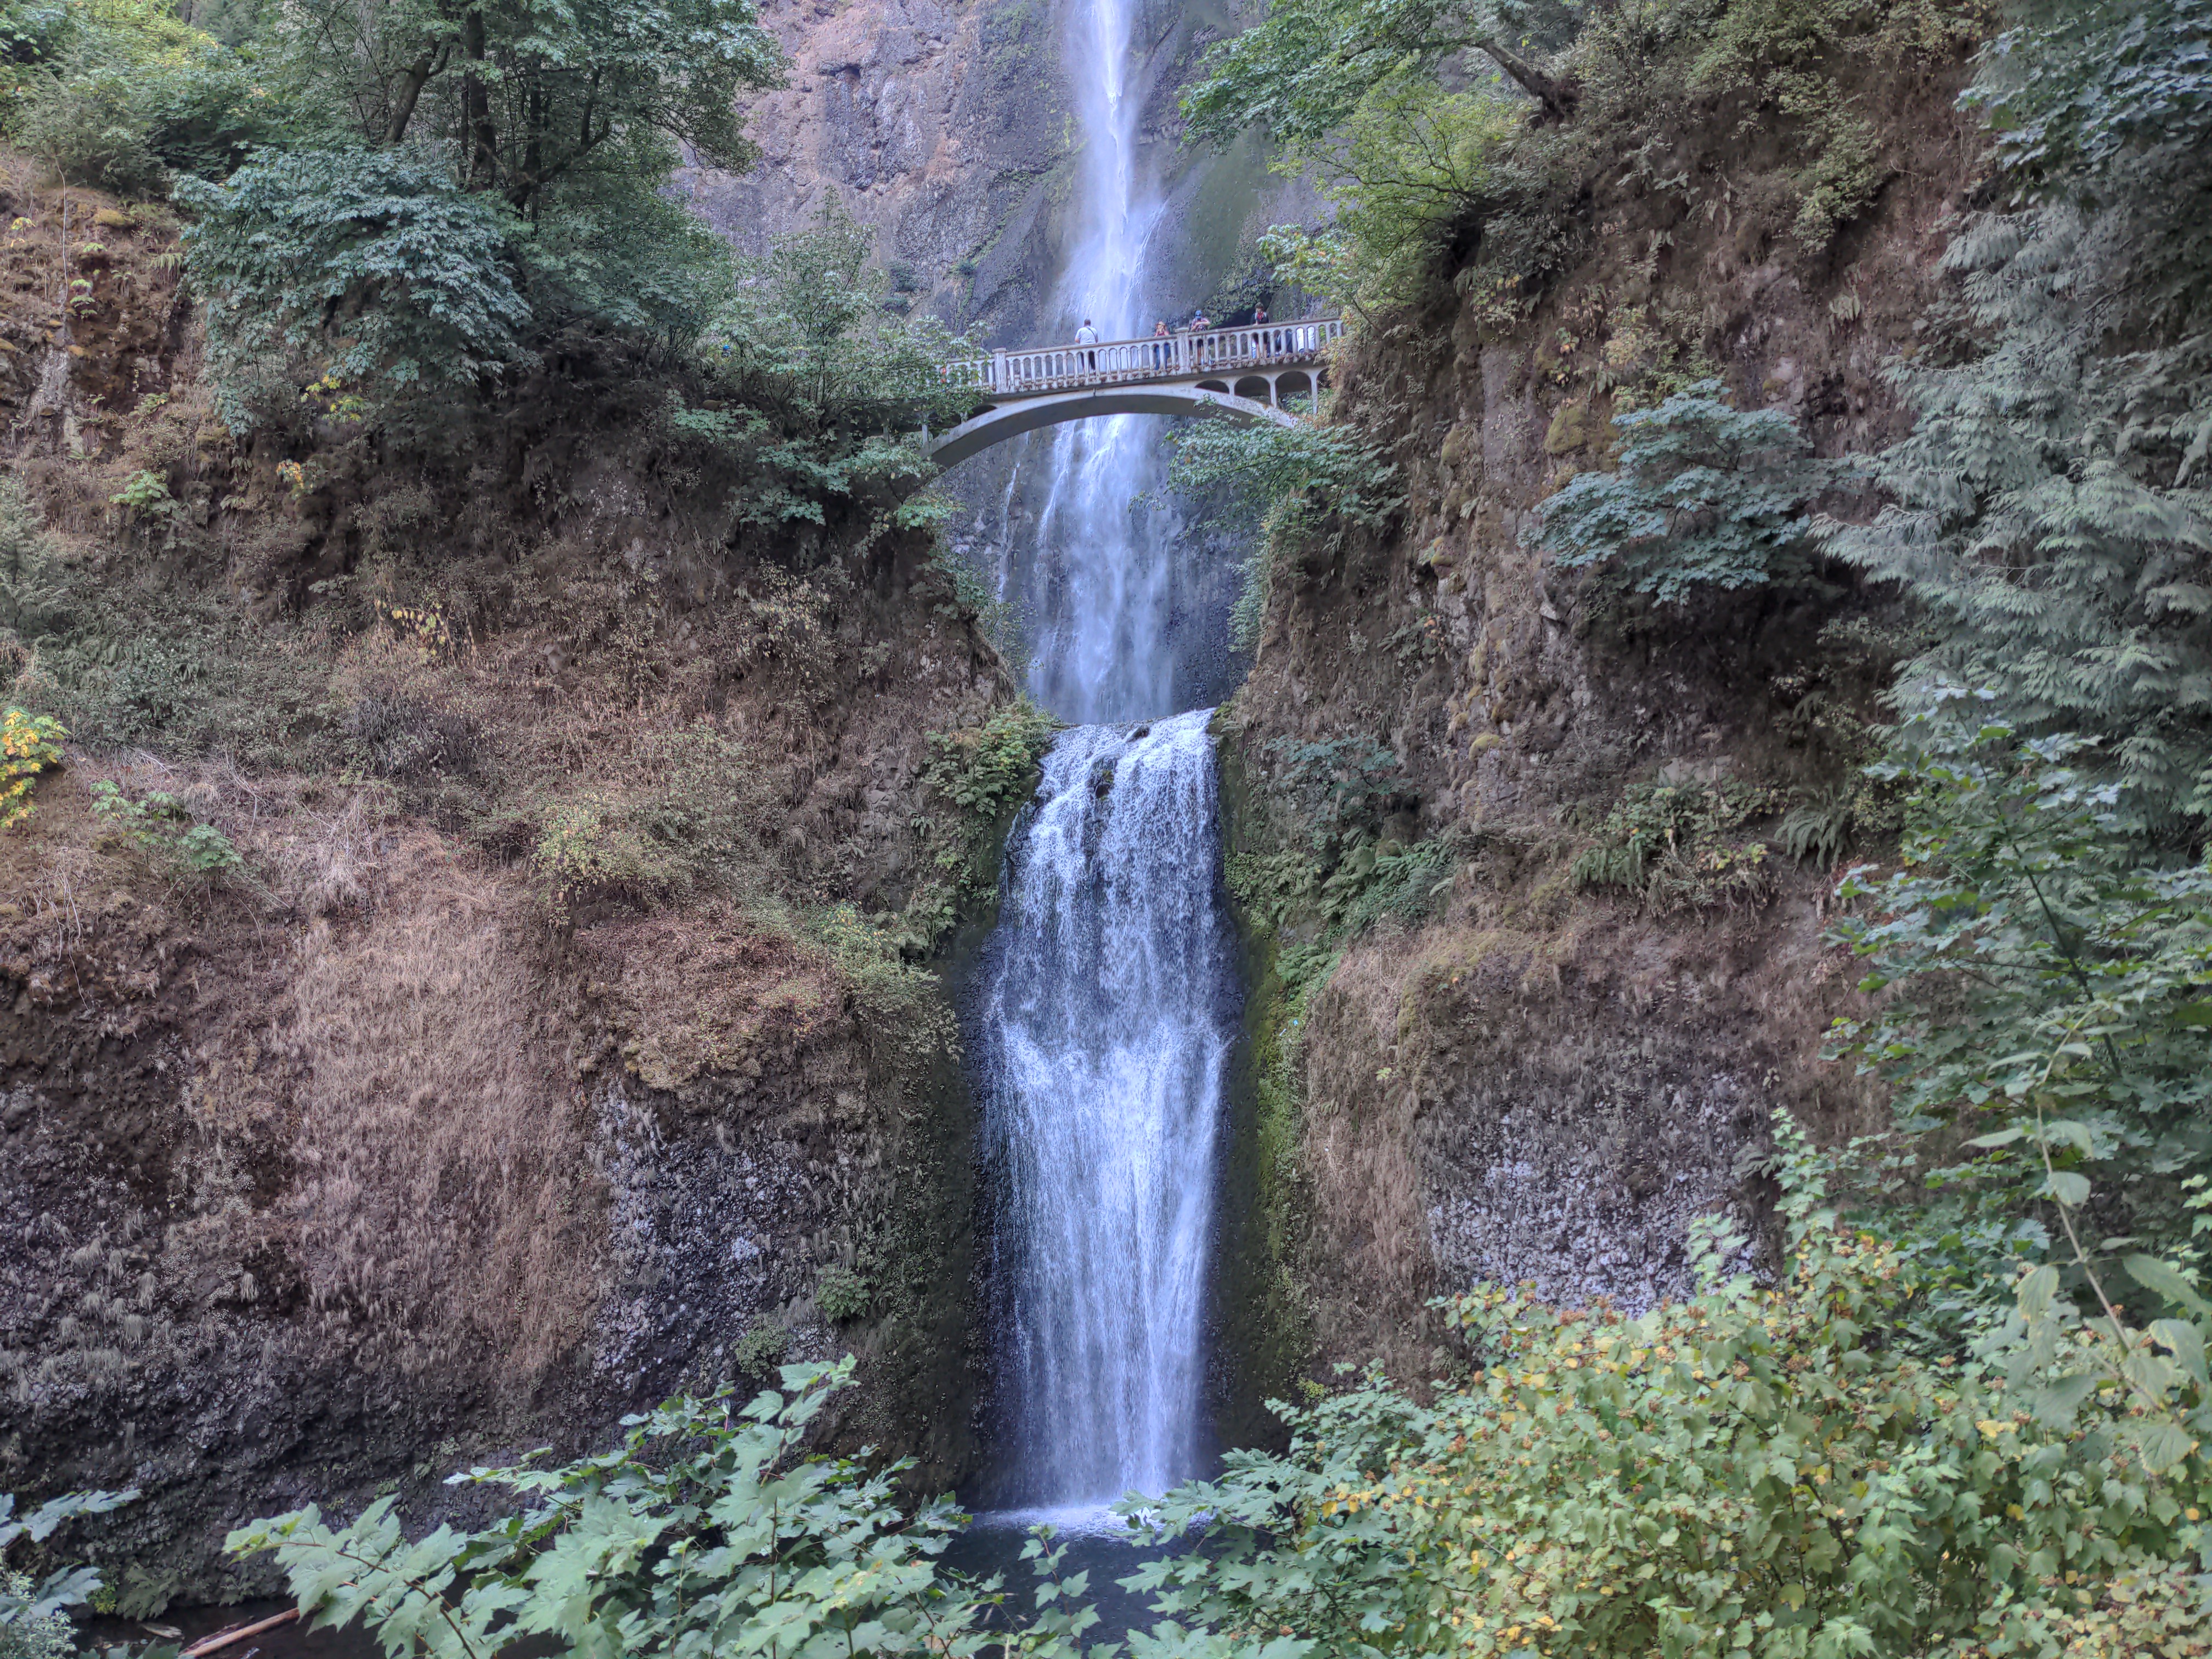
{"x":710,"y":1529}
{"x":1286,"y":484}
{"x":165,"y":828}
{"x":981,"y":773}
{"x":1678,"y":846}
{"x":34,"y":1622}
{"x":29,"y":745}
{"x":2024,"y":924}
{"x":1703,"y":496}
{"x":843,"y":1295}
{"x":1762,"y":1469}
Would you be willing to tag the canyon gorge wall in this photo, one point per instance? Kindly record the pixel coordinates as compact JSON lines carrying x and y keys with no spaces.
{"x":1547,"y":1081}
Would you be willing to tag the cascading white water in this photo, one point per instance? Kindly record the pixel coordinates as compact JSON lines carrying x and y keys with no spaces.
{"x":1102,"y":646}
{"x":1108,"y":1010}
{"x":1109,"y":1003}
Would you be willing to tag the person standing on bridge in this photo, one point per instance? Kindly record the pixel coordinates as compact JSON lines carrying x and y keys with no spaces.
{"x":1088,"y":336}
{"x":1160,"y":347}
{"x":1259,"y":322}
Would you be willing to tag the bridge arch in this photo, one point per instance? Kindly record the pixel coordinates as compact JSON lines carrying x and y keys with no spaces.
{"x":1003,"y":421}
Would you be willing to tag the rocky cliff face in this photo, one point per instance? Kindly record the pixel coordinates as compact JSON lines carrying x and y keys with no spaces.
{"x":448,"y":998}
{"x":1547,"y":1081}
{"x":947,"y":128}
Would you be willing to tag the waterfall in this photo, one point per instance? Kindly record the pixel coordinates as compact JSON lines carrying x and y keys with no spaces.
{"x":1109,"y":1001}
{"x":1109,"y":1010}
{"x":1103,"y":635}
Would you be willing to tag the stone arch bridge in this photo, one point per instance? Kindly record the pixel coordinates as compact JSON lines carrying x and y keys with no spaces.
{"x":1239,"y":374}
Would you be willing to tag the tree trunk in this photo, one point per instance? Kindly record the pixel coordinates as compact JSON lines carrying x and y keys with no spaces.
{"x":412,"y":79}
{"x":1557,"y":97}
{"x":482,"y":137}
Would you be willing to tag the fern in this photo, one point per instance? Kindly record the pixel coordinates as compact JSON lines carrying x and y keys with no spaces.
{"x":1816,"y":830}
{"x":2048,"y":512}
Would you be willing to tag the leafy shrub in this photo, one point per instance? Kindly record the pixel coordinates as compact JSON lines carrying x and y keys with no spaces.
{"x":2045,"y":981}
{"x":88,"y":129}
{"x":982,"y":772}
{"x":29,"y":745}
{"x":1761,"y":1470}
{"x":120,"y":93}
{"x":1287,"y":483}
{"x":711,"y":1530}
{"x":1674,"y":845}
{"x":843,"y":1295}
{"x":33,"y":597}
{"x":153,"y":687}
{"x":34,"y":1613}
{"x":32,"y":1635}
{"x":761,"y":1350}
{"x":158,"y":823}
{"x":145,"y":491}
{"x":375,"y":267}
{"x":1705,"y":495}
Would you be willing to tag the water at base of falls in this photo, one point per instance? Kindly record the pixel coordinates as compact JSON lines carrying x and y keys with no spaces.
{"x":1109,"y":1010}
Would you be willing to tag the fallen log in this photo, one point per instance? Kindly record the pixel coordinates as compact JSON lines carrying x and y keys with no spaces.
{"x":237,"y":1633}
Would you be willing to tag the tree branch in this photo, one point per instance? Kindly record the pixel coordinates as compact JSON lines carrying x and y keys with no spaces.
{"x":1557,"y":97}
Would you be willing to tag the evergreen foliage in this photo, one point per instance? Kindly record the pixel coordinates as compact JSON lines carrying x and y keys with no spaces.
{"x":2044,"y":987}
{"x":1703,"y":495}
{"x":2051,"y":509}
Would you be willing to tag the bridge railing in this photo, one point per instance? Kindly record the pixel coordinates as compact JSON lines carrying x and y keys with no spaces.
{"x":1119,"y":362}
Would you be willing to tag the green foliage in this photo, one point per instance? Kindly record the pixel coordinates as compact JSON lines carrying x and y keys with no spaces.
{"x":1818,"y":830}
{"x":145,"y":491}
{"x":761,"y":1350}
{"x":455,"y":186}
{"x":29,"y":1635}
{"x":2049,"y":511}
{"x":983,"y":774}
{"x":523,"y":102}
{"x":373,"y":265}
{"x":159,"y":825}
{"x":33,"y":597}
{"x":1289,"y":483}
{"x":1428,"y":120}
{"x":843,"y":1295}
{"x":1678,"y":846}
{"x":1305,"y":71}
{"x":1757,"y":1470}
{"x":1705,"y":495}
{"x":1335,"y":866}
{"x":119,"y":92}
{"x":34,"y":1614}
{"x":807,"y":341}
{"x":2045,"y":984}
{"x":710,"y":1529}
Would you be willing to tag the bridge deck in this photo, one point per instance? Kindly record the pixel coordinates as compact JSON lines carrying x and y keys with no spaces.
{"x":1268,"y":349}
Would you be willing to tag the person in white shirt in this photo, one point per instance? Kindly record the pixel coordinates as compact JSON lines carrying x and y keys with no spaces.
{"x":1088,"y":336}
